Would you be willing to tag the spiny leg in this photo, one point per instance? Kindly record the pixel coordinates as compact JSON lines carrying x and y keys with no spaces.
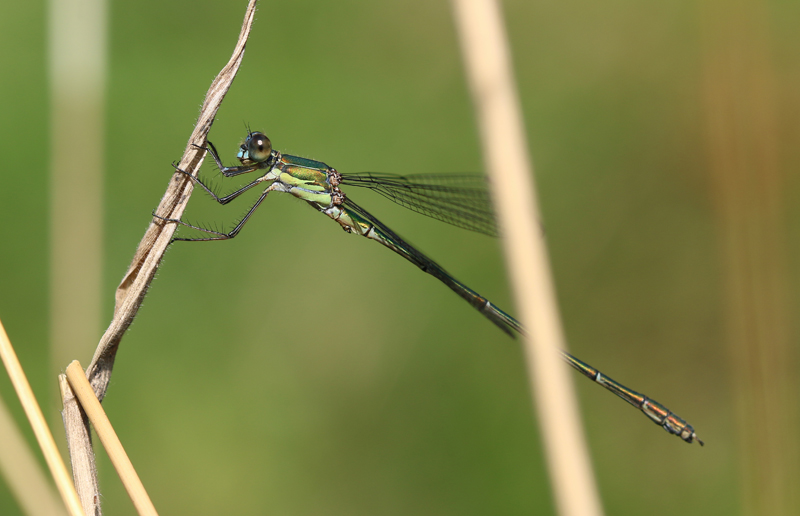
{"x":222,"y":200}
{"x":220,"y":236}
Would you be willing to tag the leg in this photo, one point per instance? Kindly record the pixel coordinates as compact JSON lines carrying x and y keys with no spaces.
{"x":229,"y":171}
{"x":222,"y":200}
{"x":219,"y":236}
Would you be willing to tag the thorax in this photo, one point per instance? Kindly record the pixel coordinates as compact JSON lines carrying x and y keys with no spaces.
{"x":306,"y":179}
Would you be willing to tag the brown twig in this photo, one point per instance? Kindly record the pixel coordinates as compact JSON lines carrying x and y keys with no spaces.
{"x":134,"y":285}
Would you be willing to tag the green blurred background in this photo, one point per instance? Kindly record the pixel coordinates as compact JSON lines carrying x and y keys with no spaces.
{"x":298,"y":370}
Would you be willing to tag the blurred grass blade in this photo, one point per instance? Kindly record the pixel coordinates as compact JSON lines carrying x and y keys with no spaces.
{"x":748,"y":188}
{"x":484,"y":45}
{"x":22,"y":473}
{"x":77,"y":80}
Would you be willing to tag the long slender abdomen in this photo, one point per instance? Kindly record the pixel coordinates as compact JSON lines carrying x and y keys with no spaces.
{"x":504,"y":321}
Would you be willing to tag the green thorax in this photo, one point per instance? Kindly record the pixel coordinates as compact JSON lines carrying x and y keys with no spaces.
{"x":306,"y":179}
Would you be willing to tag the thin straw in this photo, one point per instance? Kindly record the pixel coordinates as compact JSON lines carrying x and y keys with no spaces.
{"x":487,"y":58}
{"x":97,"y":416}
{"x":40,"y":429}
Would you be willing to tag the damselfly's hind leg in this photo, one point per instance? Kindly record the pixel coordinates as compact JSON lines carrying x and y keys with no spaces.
{"x":222,"y":200}
{"x":217,"y":235}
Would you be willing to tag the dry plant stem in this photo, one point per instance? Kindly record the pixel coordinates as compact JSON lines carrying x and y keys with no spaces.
{"x":40,"y":429}
{"x":488,"y":62}
{"x":79,"y":443}
{"x":97,"y":416}
{"x":133,"y":287}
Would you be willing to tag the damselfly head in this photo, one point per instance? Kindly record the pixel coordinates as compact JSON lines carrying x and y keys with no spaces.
{"x":255,"y":148}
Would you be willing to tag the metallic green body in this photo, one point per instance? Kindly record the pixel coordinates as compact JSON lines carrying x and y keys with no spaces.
{"x":305,"y":184}
{"x":318,"y":185}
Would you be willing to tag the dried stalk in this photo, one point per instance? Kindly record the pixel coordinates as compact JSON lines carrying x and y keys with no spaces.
{"x":134,"y":285}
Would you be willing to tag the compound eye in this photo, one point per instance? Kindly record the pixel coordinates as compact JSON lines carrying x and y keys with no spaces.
{"x":259,"y":148}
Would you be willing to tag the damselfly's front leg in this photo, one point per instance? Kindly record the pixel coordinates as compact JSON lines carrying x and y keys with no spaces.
{"x":230,"y":171}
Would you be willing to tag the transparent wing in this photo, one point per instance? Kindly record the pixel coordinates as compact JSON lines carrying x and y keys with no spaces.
{"x":458,"y":199}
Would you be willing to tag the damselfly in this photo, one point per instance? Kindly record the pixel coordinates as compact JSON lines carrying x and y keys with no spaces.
{"x":459,"y":199}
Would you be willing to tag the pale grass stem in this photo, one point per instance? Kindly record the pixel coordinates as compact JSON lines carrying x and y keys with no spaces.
{"x":487,"y":57}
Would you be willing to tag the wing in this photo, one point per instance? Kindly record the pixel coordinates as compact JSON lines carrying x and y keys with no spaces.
{"x":458,"y":199}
